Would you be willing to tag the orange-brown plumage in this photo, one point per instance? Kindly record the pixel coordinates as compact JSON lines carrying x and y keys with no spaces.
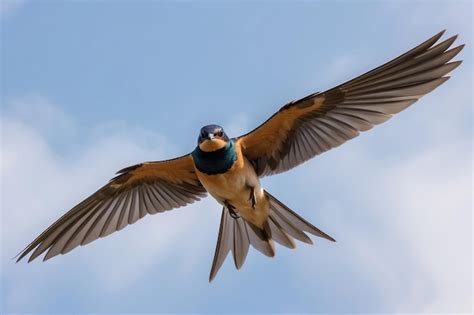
{"x":269,"y":137}
{"x":234,"y":185}
{"x":176,"y":171}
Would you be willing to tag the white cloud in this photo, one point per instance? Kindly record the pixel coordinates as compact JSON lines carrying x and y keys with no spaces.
{"x":404,"y":221}
{"x":39,"y":183}
{"x":403,"y":229}
{"x":434,"y":214}
{"x":41,"y":115}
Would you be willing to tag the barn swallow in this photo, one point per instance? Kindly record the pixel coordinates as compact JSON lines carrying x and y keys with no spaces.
{"x":229,"y":169}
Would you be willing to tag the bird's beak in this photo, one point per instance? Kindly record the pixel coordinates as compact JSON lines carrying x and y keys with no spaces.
{"x":210,"y":136}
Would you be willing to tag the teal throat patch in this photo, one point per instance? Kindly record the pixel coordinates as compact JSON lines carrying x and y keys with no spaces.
{"x":215,"y":162}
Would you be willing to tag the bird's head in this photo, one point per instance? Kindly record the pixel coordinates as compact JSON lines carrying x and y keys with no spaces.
{"x":212,"y":138}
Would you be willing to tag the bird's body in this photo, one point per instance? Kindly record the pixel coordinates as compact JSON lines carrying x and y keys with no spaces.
{"x":230,"y":169}
{"x":234,"y":187}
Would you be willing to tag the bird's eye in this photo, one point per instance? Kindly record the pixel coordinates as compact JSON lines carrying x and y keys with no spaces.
{"x":219,"y":133}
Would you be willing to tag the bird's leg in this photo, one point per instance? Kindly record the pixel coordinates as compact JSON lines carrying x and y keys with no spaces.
{"x":231,"y":209}
{"x":252,"y":198}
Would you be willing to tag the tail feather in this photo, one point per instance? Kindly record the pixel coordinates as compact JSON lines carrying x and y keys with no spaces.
{"x":224,"y":242}
{"x":240,"y":246}
{"x":260,"y":240}
{"x":288,"y":226}
{"x":297,"y":221}
{"x":279,"y":234}
{"x":236,"y":234}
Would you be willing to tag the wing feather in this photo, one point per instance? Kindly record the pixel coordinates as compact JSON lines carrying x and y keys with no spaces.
{"x":136,"y":191}
{"x":111,"y":224}
{"x":318,"y":122}
{"x":124,"y":214}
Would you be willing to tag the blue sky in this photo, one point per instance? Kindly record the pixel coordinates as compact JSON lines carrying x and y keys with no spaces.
{"x":90,"y":87}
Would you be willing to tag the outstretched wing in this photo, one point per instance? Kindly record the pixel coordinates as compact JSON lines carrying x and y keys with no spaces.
{"x":136,"y":191}
{"x":318,"y":122}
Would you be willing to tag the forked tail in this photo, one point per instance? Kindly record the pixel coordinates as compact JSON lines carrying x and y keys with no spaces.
{"x":283,"y":226}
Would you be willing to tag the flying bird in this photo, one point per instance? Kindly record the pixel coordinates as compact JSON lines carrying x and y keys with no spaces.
{"x":229,"y":169}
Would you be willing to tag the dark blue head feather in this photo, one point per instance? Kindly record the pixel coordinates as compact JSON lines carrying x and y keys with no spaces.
{"x":212,"y":131}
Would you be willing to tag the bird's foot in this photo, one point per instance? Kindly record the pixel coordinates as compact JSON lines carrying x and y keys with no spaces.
{"x":232,"y":210}
{"x":252,"y":198}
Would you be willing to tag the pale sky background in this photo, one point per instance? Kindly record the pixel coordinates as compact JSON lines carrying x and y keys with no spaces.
{"x":89,"y":87}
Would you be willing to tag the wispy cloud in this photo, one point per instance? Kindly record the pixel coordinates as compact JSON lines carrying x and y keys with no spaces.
{"x":406,"y":225}
{"x":40,"y":184}
{"x":403,"y":222}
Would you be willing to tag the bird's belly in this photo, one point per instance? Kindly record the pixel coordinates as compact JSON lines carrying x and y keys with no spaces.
{"x":225,"y":187}
{"x":234,"y":187}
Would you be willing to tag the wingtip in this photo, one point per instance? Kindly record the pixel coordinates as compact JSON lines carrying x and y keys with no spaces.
{"x":47,"y":257}
{"x":460,"y":47}
{"x":448,"y":42}
{"x":212,"y":274}
{"x":211,"y":277}
{"x":329,"y":237}
{"x":437,"y":36}
{"x":455,"y":64}
{"x":321,"y":234}
{"x":19,"y":256}
{"x":14,"y":257}
{"x":453,"y":52}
